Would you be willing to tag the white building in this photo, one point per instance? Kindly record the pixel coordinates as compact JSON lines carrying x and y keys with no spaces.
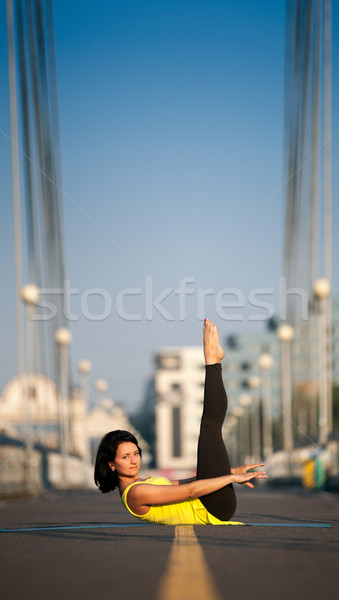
{"x":179,"y":393}
{"x":30,"y":403}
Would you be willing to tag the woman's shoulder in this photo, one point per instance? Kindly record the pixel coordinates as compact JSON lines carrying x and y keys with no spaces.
{"x":158,"y":480}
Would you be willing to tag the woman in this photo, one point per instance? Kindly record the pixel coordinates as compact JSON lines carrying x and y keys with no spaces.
{"x":208,"y":498}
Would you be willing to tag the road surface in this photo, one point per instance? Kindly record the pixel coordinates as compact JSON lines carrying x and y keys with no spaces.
{"x":85,"y":545}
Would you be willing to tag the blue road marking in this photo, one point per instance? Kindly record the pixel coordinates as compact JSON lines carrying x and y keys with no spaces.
{"x":58,"y":527}
{"x":288,"y":525}
{"x":119,"y":525}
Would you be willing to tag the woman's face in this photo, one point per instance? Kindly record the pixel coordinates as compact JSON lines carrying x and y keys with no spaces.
{"x":127,"y":460}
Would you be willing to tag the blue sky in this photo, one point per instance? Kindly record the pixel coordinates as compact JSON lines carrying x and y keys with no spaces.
{"x":171,"y":127}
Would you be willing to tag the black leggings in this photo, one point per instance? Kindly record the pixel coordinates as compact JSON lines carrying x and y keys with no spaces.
{"x":213,"y":459}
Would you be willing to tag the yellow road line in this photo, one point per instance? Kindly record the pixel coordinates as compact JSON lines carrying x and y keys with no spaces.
{"x":187,"y":575}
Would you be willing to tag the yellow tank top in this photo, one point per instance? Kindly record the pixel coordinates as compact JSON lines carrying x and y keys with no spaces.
{"x":187,"y":512}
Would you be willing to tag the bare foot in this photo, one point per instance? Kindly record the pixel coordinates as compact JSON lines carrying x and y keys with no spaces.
{"x":212,"y":350}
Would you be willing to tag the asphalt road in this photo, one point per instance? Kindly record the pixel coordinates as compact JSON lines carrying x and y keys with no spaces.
{"x":91,"y":559}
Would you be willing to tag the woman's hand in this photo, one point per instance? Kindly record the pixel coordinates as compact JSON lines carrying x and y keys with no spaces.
{"x":243,"y":470}
{"x":246,"y":468}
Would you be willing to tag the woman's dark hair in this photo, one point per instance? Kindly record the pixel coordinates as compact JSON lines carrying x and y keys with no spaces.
{"x":104,"y":477}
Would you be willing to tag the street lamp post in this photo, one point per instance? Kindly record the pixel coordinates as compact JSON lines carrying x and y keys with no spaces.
{"x":63,"y":337}
{"x":255,"y":382}
{"x":101,"y":387}
{"x":245,"y":400}
{"x":84,"y":368}
{"x":30,"y":295}
{"x":322,"y":290}
{"x":230,"y":433}
{"x":285,"y":334}
{"x":238,"y":412}
{"x":266,"y":364}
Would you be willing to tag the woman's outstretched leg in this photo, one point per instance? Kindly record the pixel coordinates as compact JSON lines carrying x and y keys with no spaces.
{"x":213,"y":459}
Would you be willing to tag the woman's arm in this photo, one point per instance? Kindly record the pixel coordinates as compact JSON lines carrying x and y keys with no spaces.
{"x":146,"y":494}
{"x":235,"y":470}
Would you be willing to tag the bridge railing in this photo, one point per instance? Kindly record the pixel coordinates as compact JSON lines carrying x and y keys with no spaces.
{"x":43,"y":468}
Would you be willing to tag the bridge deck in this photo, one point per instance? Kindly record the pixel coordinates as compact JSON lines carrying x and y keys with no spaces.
{"x":67,"y":551}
